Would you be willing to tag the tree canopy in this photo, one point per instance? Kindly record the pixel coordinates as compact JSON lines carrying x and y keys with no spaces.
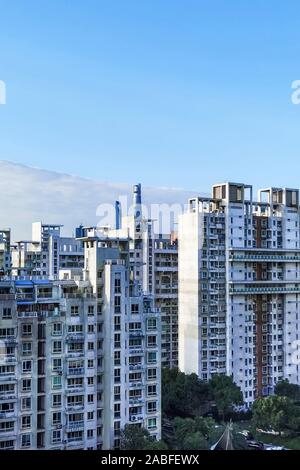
{"x":277,"y":413}
{"x":183,"y":395}
{"x":286,"y":389}
{"x":225,"y":393}
{"x":134,"y":437}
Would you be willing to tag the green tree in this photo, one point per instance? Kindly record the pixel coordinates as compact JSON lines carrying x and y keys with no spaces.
{"x":134,"y":437}
{"x":183,"y":395}
{"x":195,"y":441}
{"x":193,"y":434}
{"x":276,"y":413}
{"x":226,"y":394}
{"x":156,"y":445}
{"x":286,"y":389}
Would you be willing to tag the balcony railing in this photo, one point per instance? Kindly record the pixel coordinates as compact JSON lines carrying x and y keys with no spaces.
{"x":76,"y":371}
{"x":263,"y":290}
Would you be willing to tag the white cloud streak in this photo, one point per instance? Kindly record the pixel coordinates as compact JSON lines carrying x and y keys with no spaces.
{"x":31,"y":194}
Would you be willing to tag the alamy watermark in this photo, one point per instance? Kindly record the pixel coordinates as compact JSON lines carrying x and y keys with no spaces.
{"x":164,"y":216}
{"x":2,"y":92}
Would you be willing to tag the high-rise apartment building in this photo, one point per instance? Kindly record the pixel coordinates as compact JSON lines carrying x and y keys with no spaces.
{"x":79,"y":358}
{"x":154,"y":263}
{"x":239,"y":287}
{"x":5,"y":257}
{"x":47,"y":253}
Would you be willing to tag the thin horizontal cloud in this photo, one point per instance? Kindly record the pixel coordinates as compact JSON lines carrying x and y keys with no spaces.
{"x":31,"y":194}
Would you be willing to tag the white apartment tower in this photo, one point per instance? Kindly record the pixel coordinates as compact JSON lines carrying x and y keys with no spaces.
{"x":5,"y":257}
{"x":154,"y":264}
{"x":79,"y":358}
{"x":239,"y":286}
{"x":47,"y":253}
{"x":132,"y":342}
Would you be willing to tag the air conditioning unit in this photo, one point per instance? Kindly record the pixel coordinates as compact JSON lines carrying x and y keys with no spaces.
{"x":133,"y":418}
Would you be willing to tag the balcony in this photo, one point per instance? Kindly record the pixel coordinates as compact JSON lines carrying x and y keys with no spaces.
{"x":7,"y":296}
{"x":136,"y":418}
{"x":7,"y":414}
{"x":136,"y":383}
{"x":75,"y":338}
{"x":75,"y":354}
{"x":135,"y":350}
{"x":263,"y":290}
{"x":8,"y":377}
{"x":75,"y":407}
{"x":10,"y":359}
{"x":7,"y":396}
{"x":77,"y":389}
{"x":135,"y":333}
{"x":25,"y":297}
{"x":9,"y":340}
{"x":76,"y":371}
{"x":263,"y":258}
{"x":135,"y":366}
{"x":75,"y":426}
{"x":136,"y":400}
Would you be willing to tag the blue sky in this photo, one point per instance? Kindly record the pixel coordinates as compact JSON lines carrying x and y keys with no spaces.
{"x":169,"y":93}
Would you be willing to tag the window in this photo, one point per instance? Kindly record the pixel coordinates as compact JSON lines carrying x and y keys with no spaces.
{"x":56,"y":329}
{"x":26,"y":403}
{"x":152,"y":423}
{"x":90,"y":328}
{"x":90,"y":398}
{"x":117,"y":323}
{"x":25,"y":440}
{"x":90,"y":433}
{"x":151,"y":374}
{"x":90,"y":415}
{"x":117,"y":358}
{"x":74,"y":310}
{"x":152,"y":390}
{"x":90,"y":346}
{"x":117,"y":393}
{"x":152,"y":407}
{"x":6,"y":313}
{"x":117,"y":410}
{"x":56,"y":418}
{"x":91,"y":310}
{"x":75,"y":328}
{"x":117,"y":342}
{"x":56,"y":381}
{"x":134,"y":308}
{"x":56,"y":400}
{"x":26,"y":422}
{"x":151,"y":341}
{"x":90,"y":363}
{"x":7,"y":426}
{"x":117,"y":375}
{"x":117,"y":304}
{"x":151,"y":324}
{"x":56,"y":347}
{"x":56,"y":436}
{"x":26,"y":367}
{"x":27,"y":329}
{"x":90,"y":381}
{"x":117,"y":285}
{"x":152,"y":357}
{"x":56,"y":364}
{"x":26,"y":385}
{"x":27,"y":349}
